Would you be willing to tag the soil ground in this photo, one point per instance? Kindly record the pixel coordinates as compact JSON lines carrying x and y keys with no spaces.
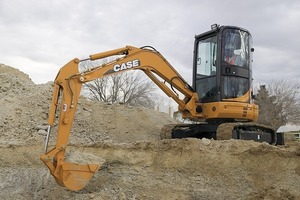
{"x":135,"y":163}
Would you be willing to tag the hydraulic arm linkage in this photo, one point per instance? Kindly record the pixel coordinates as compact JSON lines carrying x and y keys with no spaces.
{"x":69,"y":83}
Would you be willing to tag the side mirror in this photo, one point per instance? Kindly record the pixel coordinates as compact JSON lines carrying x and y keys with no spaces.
{"x":253,"y":96}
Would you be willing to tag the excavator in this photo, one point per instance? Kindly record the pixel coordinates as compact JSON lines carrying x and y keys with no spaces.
{"x":219,"y":102}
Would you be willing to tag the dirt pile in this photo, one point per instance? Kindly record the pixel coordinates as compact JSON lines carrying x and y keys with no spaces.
{"x":25,"y":106}
{"x":135,"y":163}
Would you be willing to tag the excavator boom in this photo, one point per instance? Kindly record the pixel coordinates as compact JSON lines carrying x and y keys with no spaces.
{"x":68,"y":84}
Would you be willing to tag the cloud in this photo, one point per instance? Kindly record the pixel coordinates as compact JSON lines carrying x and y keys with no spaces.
{"x":50,"y":33}
{"x":39,"y":72}
{"x":275,"y":63}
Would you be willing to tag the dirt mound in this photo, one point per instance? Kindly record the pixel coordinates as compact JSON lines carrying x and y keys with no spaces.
{"x":135,"y":163}
{"x":23,"y":119}
{"x":24,"y":106}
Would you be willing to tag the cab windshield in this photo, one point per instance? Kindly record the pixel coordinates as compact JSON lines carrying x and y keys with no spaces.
{"x":235,"y":47}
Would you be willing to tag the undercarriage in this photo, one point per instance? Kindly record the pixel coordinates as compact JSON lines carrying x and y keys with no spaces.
{"x":223,"y":131}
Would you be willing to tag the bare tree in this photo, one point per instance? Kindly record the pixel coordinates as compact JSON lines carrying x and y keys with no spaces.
{"x":279,"y":103}
{"x":130,"y":88}
{"x":136,"y":90}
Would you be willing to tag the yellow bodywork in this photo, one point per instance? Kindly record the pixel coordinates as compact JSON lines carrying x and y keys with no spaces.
{"x":69,"y":82}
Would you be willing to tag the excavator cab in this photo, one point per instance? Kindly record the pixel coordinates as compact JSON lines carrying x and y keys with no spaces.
{"x":222,"y":79}
{"x":223,"y":65}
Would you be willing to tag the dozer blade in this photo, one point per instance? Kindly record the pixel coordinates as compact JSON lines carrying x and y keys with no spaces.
{"x":75,"y":176}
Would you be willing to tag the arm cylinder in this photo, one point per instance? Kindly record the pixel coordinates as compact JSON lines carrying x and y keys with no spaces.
{"x":120,"y":51}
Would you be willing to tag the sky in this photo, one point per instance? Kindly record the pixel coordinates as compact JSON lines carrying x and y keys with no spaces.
{"x":38,"y":36}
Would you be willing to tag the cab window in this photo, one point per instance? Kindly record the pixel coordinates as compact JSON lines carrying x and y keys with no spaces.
{"x":235,"y":48}
{"x":206,"y":57}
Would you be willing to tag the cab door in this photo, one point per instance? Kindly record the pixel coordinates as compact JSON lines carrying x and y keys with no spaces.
{"x":205,"y":68}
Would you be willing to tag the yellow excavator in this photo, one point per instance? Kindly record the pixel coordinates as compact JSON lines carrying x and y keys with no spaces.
{"x":219,"y":100}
